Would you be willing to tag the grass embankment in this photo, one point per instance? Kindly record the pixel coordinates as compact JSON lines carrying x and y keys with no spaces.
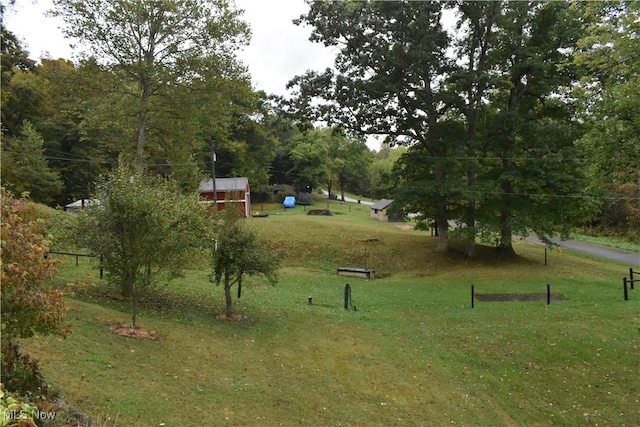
{"x":414,"y":353}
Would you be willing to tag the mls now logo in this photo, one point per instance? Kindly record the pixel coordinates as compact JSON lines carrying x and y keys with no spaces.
{"x":35,"y":414}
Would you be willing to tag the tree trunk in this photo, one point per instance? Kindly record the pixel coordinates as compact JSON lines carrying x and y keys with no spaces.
{"x":443,"y":230}
{"x":227,"y":293}
{"x":442,"y":219}
{"x":470,"y":247}
{"x":134,"y":308}
{"x":142,"y":125}
{"x":505,"y":245}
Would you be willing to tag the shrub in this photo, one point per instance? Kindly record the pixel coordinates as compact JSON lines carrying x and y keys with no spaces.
{"x":31,"y":304}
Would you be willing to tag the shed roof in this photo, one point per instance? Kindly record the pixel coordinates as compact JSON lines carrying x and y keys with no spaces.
{"x":225,"y":184}
{"x":381,"y":204}
{"x":81,"y":203}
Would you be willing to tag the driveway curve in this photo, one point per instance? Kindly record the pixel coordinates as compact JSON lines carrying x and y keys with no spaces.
{"x":625,"y":257}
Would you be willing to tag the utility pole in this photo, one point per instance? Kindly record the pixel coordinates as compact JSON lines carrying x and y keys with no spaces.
{"x":213,"y":177}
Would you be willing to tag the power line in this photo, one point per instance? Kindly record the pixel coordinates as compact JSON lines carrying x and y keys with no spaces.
{"x":107,"y":162}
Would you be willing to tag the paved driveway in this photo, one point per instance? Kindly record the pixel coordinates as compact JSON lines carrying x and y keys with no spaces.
{"x":626,"y":257}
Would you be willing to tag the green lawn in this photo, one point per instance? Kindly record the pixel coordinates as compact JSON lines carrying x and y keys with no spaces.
{"x":414,"y":353}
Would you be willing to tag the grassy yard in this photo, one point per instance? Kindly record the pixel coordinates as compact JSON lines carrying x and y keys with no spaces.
{"x":414,"y":353}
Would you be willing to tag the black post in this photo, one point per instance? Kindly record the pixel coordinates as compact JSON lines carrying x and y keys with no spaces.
{"x":347,"y":296}
{"x":545,"y":256}
{"x":101,"y":267}
{"x":624,"y":285}
{"x":548,"y":294}
{"x":77,"y":260}
{"x":631,"y":277}
{"x":472,"y":296}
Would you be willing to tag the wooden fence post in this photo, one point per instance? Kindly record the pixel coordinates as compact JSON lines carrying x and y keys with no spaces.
{"x":472,"y":296}
{"x":548,"y":294}
{"x":624,"y":286}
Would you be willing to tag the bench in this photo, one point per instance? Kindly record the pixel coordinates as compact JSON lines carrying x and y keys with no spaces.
{"x":356,"y":272}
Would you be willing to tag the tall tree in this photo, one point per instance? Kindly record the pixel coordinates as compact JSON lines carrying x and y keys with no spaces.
{"x":350,"y":158}
{"x":25,"y":168}
{"x":474,"y":42}
{"x":63,"y":117}
{"x":250,"y":144}
{"x":388,"y":78}
{"x":15,"y":61}
{"x":310,"y":156}
{"x":156,"y":46}
{"x":610,"y":98}
{"x":534,"y":41}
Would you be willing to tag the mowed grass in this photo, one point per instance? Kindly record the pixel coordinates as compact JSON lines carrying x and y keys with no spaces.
{"x":414,"y":352}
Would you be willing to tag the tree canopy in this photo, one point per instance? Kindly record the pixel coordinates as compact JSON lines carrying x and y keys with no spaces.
{"x":145,"y":229}
{"x":158,"y":48}
{"x":239,"y":251}
{"x":610,"y":101}
{"x":480,"y":126}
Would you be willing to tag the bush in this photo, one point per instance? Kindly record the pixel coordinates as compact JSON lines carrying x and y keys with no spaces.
{"x":21,"y":374}
{"x":31,"y":304}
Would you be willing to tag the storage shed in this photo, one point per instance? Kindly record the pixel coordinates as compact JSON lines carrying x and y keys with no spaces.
{"x":379,"y":209}
{"x":78,"y":205}
{"x":228,"y":190}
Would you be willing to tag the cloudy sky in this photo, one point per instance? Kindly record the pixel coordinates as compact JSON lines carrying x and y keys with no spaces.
{"x":279,"y":49}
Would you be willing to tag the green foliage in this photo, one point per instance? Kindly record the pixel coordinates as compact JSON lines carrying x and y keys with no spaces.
{"x":479,"y":130}
{"x":31,"y":303}
{"x":310,"y":156}
{"x":381,"y":171}
{"x":239,"y":251}
{"x":610,"y":105}
{"x":144,"y":227}
{"x":21,"y":373}
{"x":25,"y":168}
{"x":14,"y":413}
{"x":160,"y":49}
{"x":18,"y":98}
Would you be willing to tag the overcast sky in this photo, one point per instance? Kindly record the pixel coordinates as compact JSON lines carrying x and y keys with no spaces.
{"x":279,"y":49}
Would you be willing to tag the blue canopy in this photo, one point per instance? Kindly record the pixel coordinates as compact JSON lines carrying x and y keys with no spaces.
{"x":289,"y":202}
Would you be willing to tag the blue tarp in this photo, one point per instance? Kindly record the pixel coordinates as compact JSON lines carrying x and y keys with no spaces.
{"x":289,"y":202}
